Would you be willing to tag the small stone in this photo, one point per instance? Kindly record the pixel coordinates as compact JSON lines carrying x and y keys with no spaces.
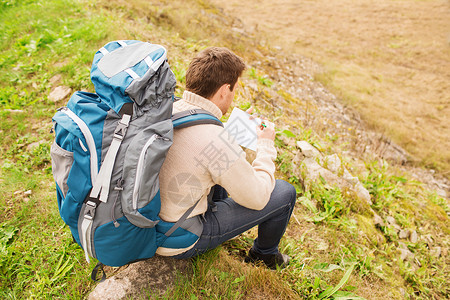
{"x":436,"y":251}
{"x":26,"y":199}
{"x":55,"y":79}
{"x":414,"y":237}
{"x":404,"y":234}
{"x":34,"y":145}
{"x":17,"y":193}
{"x":378,"y":220}
{"x":391,"y":220}
{"x":27,"y":193}
{"x":405,"y":253}
{"x":59,"y":93}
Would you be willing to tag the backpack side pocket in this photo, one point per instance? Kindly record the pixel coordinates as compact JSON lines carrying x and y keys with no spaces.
{"x":62,"y":161}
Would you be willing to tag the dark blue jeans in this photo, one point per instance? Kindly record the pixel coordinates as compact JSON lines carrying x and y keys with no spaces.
{"x":231,"y":219}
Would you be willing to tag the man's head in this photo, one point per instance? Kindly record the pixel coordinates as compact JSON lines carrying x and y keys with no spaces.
{"x":212,"y":70}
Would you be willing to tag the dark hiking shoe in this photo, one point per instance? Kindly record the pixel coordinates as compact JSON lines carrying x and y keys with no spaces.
{"x":270,"y":260}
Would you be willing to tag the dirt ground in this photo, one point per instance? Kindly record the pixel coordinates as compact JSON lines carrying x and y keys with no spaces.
{"x":388,"y":59}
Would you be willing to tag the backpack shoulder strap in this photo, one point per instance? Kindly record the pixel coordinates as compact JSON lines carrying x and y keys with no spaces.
{"x":194,"y":117}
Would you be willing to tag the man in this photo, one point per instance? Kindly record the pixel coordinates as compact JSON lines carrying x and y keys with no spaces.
{"x":205,"y":156}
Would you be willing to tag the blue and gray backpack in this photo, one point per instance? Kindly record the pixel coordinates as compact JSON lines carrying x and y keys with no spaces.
{"x":108,"y":150}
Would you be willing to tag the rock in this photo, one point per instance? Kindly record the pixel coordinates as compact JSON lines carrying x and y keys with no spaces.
{"x":404,"y":251}
{"x":315,"y":171}
{"x":393,"y":223}
{"x":363,"y":193}
{"x":34,"y":145}
{"x":414,"y":237}
{"x":391,"y":220}
{"x":333,"y":163}
{"x":308,"y":150}
{"x":403,"y":234}
{"x":378,"y":220}
{"x":14,"y":110}
{"x":27,"y":193}
{"x":253,"y":86}
{"x":138,"y":280}
{"x":404,"y":254}
{"x":347,"y":176}
{"x":59,"y":93}
{"x":436,"y":251}
{"x":394,"y":152}
{"x":55,"y":79}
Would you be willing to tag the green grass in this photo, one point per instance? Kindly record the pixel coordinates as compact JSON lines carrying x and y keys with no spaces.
{"x":336,"y":249}
{"x":39,"y":40}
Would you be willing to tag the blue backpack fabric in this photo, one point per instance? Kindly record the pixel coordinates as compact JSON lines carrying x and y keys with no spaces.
{"x":109,"y":147}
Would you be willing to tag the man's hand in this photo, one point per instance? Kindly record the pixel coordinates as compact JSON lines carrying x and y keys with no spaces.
{"x":266,"y":130}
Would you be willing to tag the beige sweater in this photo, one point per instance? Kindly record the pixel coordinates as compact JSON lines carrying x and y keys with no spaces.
{"x":204,"y":155}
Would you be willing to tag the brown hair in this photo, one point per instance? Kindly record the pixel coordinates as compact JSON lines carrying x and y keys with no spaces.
{"x":212,"y":68}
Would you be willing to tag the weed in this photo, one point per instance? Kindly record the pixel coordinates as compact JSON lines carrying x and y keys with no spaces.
{"x":331,"y":203}
{"x":263,"y":80}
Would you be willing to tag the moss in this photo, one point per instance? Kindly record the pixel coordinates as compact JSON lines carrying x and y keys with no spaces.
{"x":366,"y":225}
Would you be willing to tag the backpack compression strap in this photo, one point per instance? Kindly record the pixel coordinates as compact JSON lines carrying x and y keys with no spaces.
{"x":101,"y":185}
{"x":100,"y":190}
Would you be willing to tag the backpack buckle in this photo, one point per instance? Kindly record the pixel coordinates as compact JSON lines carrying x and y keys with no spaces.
{"x":193,"y":111}
{"x":89,"y":211}
{"x":122,"y":127}
{"x":120,"y":131}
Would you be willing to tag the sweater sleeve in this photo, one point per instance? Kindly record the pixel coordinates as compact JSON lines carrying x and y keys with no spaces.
{"x":250,"y":185}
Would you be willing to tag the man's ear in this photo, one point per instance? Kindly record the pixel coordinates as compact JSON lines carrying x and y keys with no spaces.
{"x":223,"y":90}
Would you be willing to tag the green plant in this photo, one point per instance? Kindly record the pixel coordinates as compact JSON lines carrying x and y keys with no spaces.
{"x":263,"y":80}
{"x":330,"y":201}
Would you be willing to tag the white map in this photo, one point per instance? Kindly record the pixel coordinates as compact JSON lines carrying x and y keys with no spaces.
{"x":242,"y":128}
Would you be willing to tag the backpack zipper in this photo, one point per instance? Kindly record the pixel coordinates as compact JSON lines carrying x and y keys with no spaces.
{"x":140,"y":169}
{"x":118,"y":188}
